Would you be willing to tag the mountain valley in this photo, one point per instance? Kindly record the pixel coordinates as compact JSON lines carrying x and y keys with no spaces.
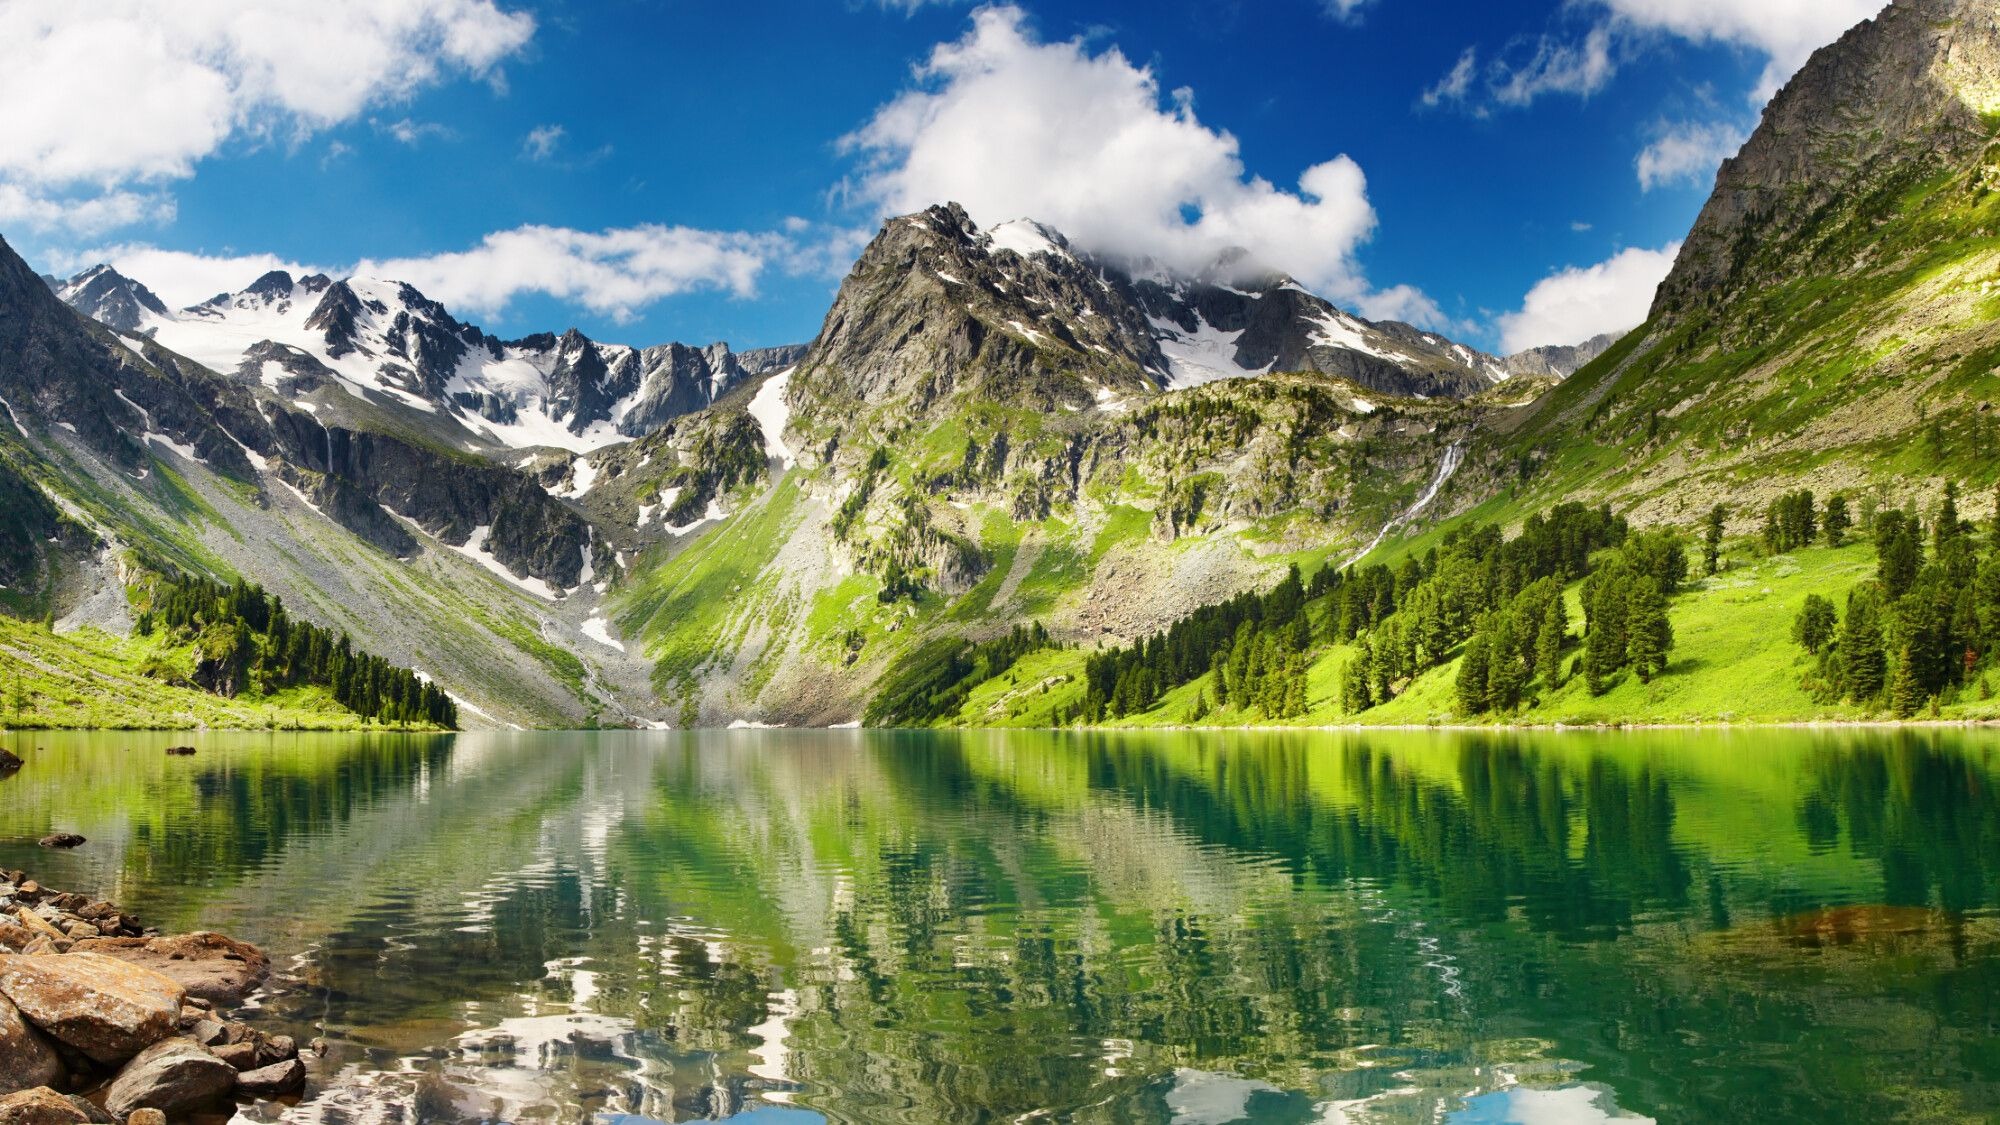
{"x":992,"y":429}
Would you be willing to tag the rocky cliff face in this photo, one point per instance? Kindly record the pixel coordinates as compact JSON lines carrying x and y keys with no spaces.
{"x":1915,"y":88}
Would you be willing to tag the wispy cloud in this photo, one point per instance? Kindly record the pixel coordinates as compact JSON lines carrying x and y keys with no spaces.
{"x":1687,"y":152}
{"x":543,"y":142}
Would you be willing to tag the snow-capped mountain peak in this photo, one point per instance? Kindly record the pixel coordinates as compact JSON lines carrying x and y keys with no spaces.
{"x":384,"y":341}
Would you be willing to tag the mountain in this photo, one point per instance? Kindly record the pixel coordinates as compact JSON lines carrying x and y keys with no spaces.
{"x":991,"y":426}
{"x":388,"y":345}
{"x":1831,"y":328}
{"x":120,"y":458}
{"x":1832,"y":321}
{"x":1559,"y":361}
{"x":109,"y":297}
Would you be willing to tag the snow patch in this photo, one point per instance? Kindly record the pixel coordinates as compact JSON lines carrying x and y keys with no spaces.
{"x":714,"y":513}
{"x":582,"y":475}
{"x":599,"y":630}
{"x":1030,"y":333}
{"x":1026,"y":238}
{"x":474,"y":548}
{"x":773,"y":414}
{"x":1203,"y":356}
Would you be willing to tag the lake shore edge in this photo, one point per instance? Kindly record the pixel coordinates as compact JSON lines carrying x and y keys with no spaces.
{"x":103,"y":1019}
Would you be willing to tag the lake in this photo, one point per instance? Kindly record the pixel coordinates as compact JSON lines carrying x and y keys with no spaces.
{"x":793,"y":927}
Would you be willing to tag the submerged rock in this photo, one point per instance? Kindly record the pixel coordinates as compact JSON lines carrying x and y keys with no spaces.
{"x":106,"y":1008}
{"x":276,"y":1080}
{"x":27,"y":1059}
{"x":8,"y":763}
{"x":62,"y":840}
{"x":172,"y":1075}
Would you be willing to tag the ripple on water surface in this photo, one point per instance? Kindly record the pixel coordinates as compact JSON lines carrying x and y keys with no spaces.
{"x":784,"y":927}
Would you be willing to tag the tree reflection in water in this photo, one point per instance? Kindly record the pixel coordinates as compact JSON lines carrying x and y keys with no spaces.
{"x":1771,"y":925}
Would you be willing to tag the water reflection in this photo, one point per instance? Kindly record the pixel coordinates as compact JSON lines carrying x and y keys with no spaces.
{"x":781,"y":927}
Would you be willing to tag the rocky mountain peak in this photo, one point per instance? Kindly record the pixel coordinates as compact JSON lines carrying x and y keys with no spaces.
{"x":273,"y":286}
{"x":1914,"y":88}
{"x":109,"y":297}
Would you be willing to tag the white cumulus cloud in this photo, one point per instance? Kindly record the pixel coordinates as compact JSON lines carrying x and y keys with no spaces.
{"x":1688,"y":152}
{"x":1012,"y":126}
{"x":115,"y":93}
{"x":615,"y":272}
{"x":1575,"y":304}
{"x":1787,"y":31}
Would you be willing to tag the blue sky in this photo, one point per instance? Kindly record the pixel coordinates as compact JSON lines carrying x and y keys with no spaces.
{"x":659,"y":169}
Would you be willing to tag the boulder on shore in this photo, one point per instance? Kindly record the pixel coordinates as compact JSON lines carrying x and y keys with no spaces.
{"x":27,"y":1059}
{"x":43,"y":1106}
{"x":106,"y":1008}
{"x":210,"y":966}
{"x":173,"y":1075}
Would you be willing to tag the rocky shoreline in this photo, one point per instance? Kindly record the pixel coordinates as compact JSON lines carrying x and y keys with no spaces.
{"x":105,"y":1021}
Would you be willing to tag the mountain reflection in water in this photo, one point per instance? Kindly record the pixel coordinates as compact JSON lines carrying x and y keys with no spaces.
{"x":781,"y":927}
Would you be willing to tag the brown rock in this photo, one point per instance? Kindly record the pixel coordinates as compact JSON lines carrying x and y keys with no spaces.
{"x":40,"y":946}
{"x":273,"y":1081}
{"x":146,"y":1117}
{"x":104,"y":1007}
{"x":41,"y":1106}
{"x":38,"y":925}
{"x":63,"y":840}
{"x":9,"y":762}
{"x":276,"y":1048}
{"x":79,"y":930}
{"x":207,"y":1032}
{"x":26,"y":1058}
{"x":218,"y":969}
{"x":240,"y":1056}
{"x":173,"y":1075}
{"x":14,"y":936}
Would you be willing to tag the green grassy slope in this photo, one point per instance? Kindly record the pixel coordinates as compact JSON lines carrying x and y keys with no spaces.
{"x":92,"y":680}
{"x":1733,"y":661}
{"x":1862,"y":354}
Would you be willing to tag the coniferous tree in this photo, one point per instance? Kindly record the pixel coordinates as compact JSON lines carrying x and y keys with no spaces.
{"x":1506,"y":676}
{"x":1837,"y":520}
{"x":1650,"y":635}
{"x":1905,"y":692}
{"x":1711,"y":554}
{"x":1860,"y":665}
{"x":1549,"y":643}
{"x":1947,"y":530}
{"x":1899,"y":551}
{"x":1472,"y":677}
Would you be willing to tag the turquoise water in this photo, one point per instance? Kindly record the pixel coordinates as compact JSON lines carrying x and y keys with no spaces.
{"x":849,"y":926}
